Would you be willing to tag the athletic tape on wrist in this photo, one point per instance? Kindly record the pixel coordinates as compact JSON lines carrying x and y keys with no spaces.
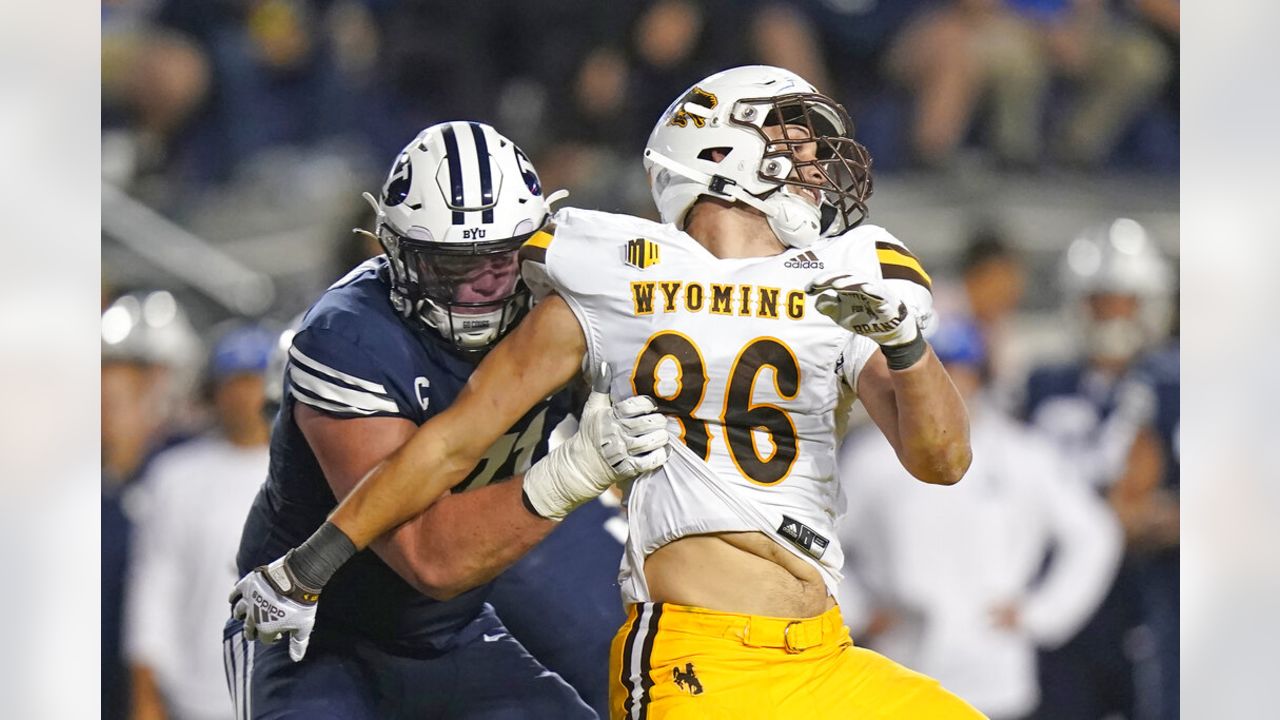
{"x":901,"y":357}
{"x":316,"y":560}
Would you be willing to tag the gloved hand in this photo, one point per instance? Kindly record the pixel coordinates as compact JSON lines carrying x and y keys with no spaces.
{"x":868,"y":308}
{"x":271,"y":602}
{"x":614,"y":444}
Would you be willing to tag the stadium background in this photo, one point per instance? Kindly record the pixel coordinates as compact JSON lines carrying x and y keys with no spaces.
{"x":237,"y":137}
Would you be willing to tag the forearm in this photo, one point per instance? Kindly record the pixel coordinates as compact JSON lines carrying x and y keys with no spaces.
{"x":147,"y":703}
{"x":401,"y":487}
{"x":464,"y":540}
{"x":933,"y":425}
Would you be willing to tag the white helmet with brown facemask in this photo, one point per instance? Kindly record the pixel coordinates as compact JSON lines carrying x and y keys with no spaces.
{"x":765,"y":137}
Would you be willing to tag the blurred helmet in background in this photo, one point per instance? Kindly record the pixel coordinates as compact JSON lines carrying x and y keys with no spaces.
{"x":151,"y":359}
{"x":149,"y":328}
{"x":459,"y":201}
{"x":712,"y":141}
{"x":1120,"y":286}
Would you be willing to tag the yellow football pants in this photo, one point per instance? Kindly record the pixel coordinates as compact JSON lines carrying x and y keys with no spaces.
{"x":673,"y":662}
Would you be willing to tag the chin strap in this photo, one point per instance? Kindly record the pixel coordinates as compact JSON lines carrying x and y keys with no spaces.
{"x":718,"y":184}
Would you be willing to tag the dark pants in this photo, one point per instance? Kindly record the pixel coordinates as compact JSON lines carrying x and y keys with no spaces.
{"x":1092,"y":675}
{"x":562,"y":602}
{"x":488,"y":675}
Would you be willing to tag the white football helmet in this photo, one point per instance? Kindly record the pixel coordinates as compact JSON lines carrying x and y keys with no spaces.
{"x":457,"y":205}
{"x":724,"y":138}
{"x":1118,"y":258}
{"x":149,"y":328}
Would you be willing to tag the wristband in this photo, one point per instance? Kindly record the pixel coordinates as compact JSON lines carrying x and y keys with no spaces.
{"x":901,"y":357}
{"x":316,"y":560}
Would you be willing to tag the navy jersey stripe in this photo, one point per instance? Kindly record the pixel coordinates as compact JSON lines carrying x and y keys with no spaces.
{"x":455,"y":171}
{"x":486,"y":179}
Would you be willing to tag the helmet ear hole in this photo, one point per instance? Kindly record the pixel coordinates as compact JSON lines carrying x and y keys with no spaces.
{"x":714,"y":154}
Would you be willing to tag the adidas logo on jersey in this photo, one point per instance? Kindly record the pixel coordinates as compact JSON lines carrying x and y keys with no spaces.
{"x":805,"y":261}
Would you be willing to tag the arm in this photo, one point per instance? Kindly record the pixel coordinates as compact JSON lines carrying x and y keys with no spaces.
{"x":1149,"y":515}
{"x":904,"y":388}
{"x":146,"y":701}
{"x":543,"y":353}
{"x":443,"y":551}
{"x":613,"y":444}
{"x":922,"y":414}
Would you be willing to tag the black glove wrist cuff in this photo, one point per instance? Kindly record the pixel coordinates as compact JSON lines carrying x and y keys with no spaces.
{"x":316,"y":560}
{"x":901,"y":357}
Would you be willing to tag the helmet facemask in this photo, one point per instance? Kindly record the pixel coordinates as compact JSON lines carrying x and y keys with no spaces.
{"x":811,"y":151}
{"x":470,"y":293}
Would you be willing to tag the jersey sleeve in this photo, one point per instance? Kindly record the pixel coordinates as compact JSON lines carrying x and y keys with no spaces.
{"x":904,"y":272}
{"x":331,"y":373}
{"x":576,"y":259}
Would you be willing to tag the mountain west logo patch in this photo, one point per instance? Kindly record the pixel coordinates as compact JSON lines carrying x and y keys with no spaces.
{"x":686,"y":679}
{"x":641,"y":253}
{"x":698,"y":98}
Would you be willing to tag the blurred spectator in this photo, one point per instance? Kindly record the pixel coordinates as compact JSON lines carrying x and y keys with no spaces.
{"x":1010,"y":51}
{"x":994,"y":276}
{"x":187,"y":513}
{"x":946,"y":579}
{"x":148,"y":348}
{"x":153,"y":82}
{"x":263,"y":73}
{"x":1118,"y":288}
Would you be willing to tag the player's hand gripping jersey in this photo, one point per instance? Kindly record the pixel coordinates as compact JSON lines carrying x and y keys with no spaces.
{"x":755,"y":382}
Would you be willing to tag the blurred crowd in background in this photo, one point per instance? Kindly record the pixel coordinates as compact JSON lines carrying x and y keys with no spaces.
{"x":1026,"y":150}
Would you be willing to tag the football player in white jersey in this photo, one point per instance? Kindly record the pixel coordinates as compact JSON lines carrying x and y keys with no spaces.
{"x":754,"y":315}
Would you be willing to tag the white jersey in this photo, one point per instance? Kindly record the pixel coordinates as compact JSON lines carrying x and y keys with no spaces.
{"x":751,"y":377}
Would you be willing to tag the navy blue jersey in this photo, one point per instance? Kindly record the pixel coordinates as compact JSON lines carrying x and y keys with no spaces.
{"x":354,"y":357}
{"x":1076,"y":406}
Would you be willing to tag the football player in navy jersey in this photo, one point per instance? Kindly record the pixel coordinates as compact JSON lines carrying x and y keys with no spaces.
{"x":405,"y":630}
{"x":1118,"y":284}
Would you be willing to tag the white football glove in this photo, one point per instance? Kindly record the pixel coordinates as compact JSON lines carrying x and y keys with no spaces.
{"x":614,"y":444}
{"x":272,"y":603}
{"x":868,"y":308}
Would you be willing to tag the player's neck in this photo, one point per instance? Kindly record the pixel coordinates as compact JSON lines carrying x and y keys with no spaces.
{"x":731,"y":230}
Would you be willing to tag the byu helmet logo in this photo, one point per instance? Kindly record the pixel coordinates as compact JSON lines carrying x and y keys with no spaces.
{"x":398,"y":183}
